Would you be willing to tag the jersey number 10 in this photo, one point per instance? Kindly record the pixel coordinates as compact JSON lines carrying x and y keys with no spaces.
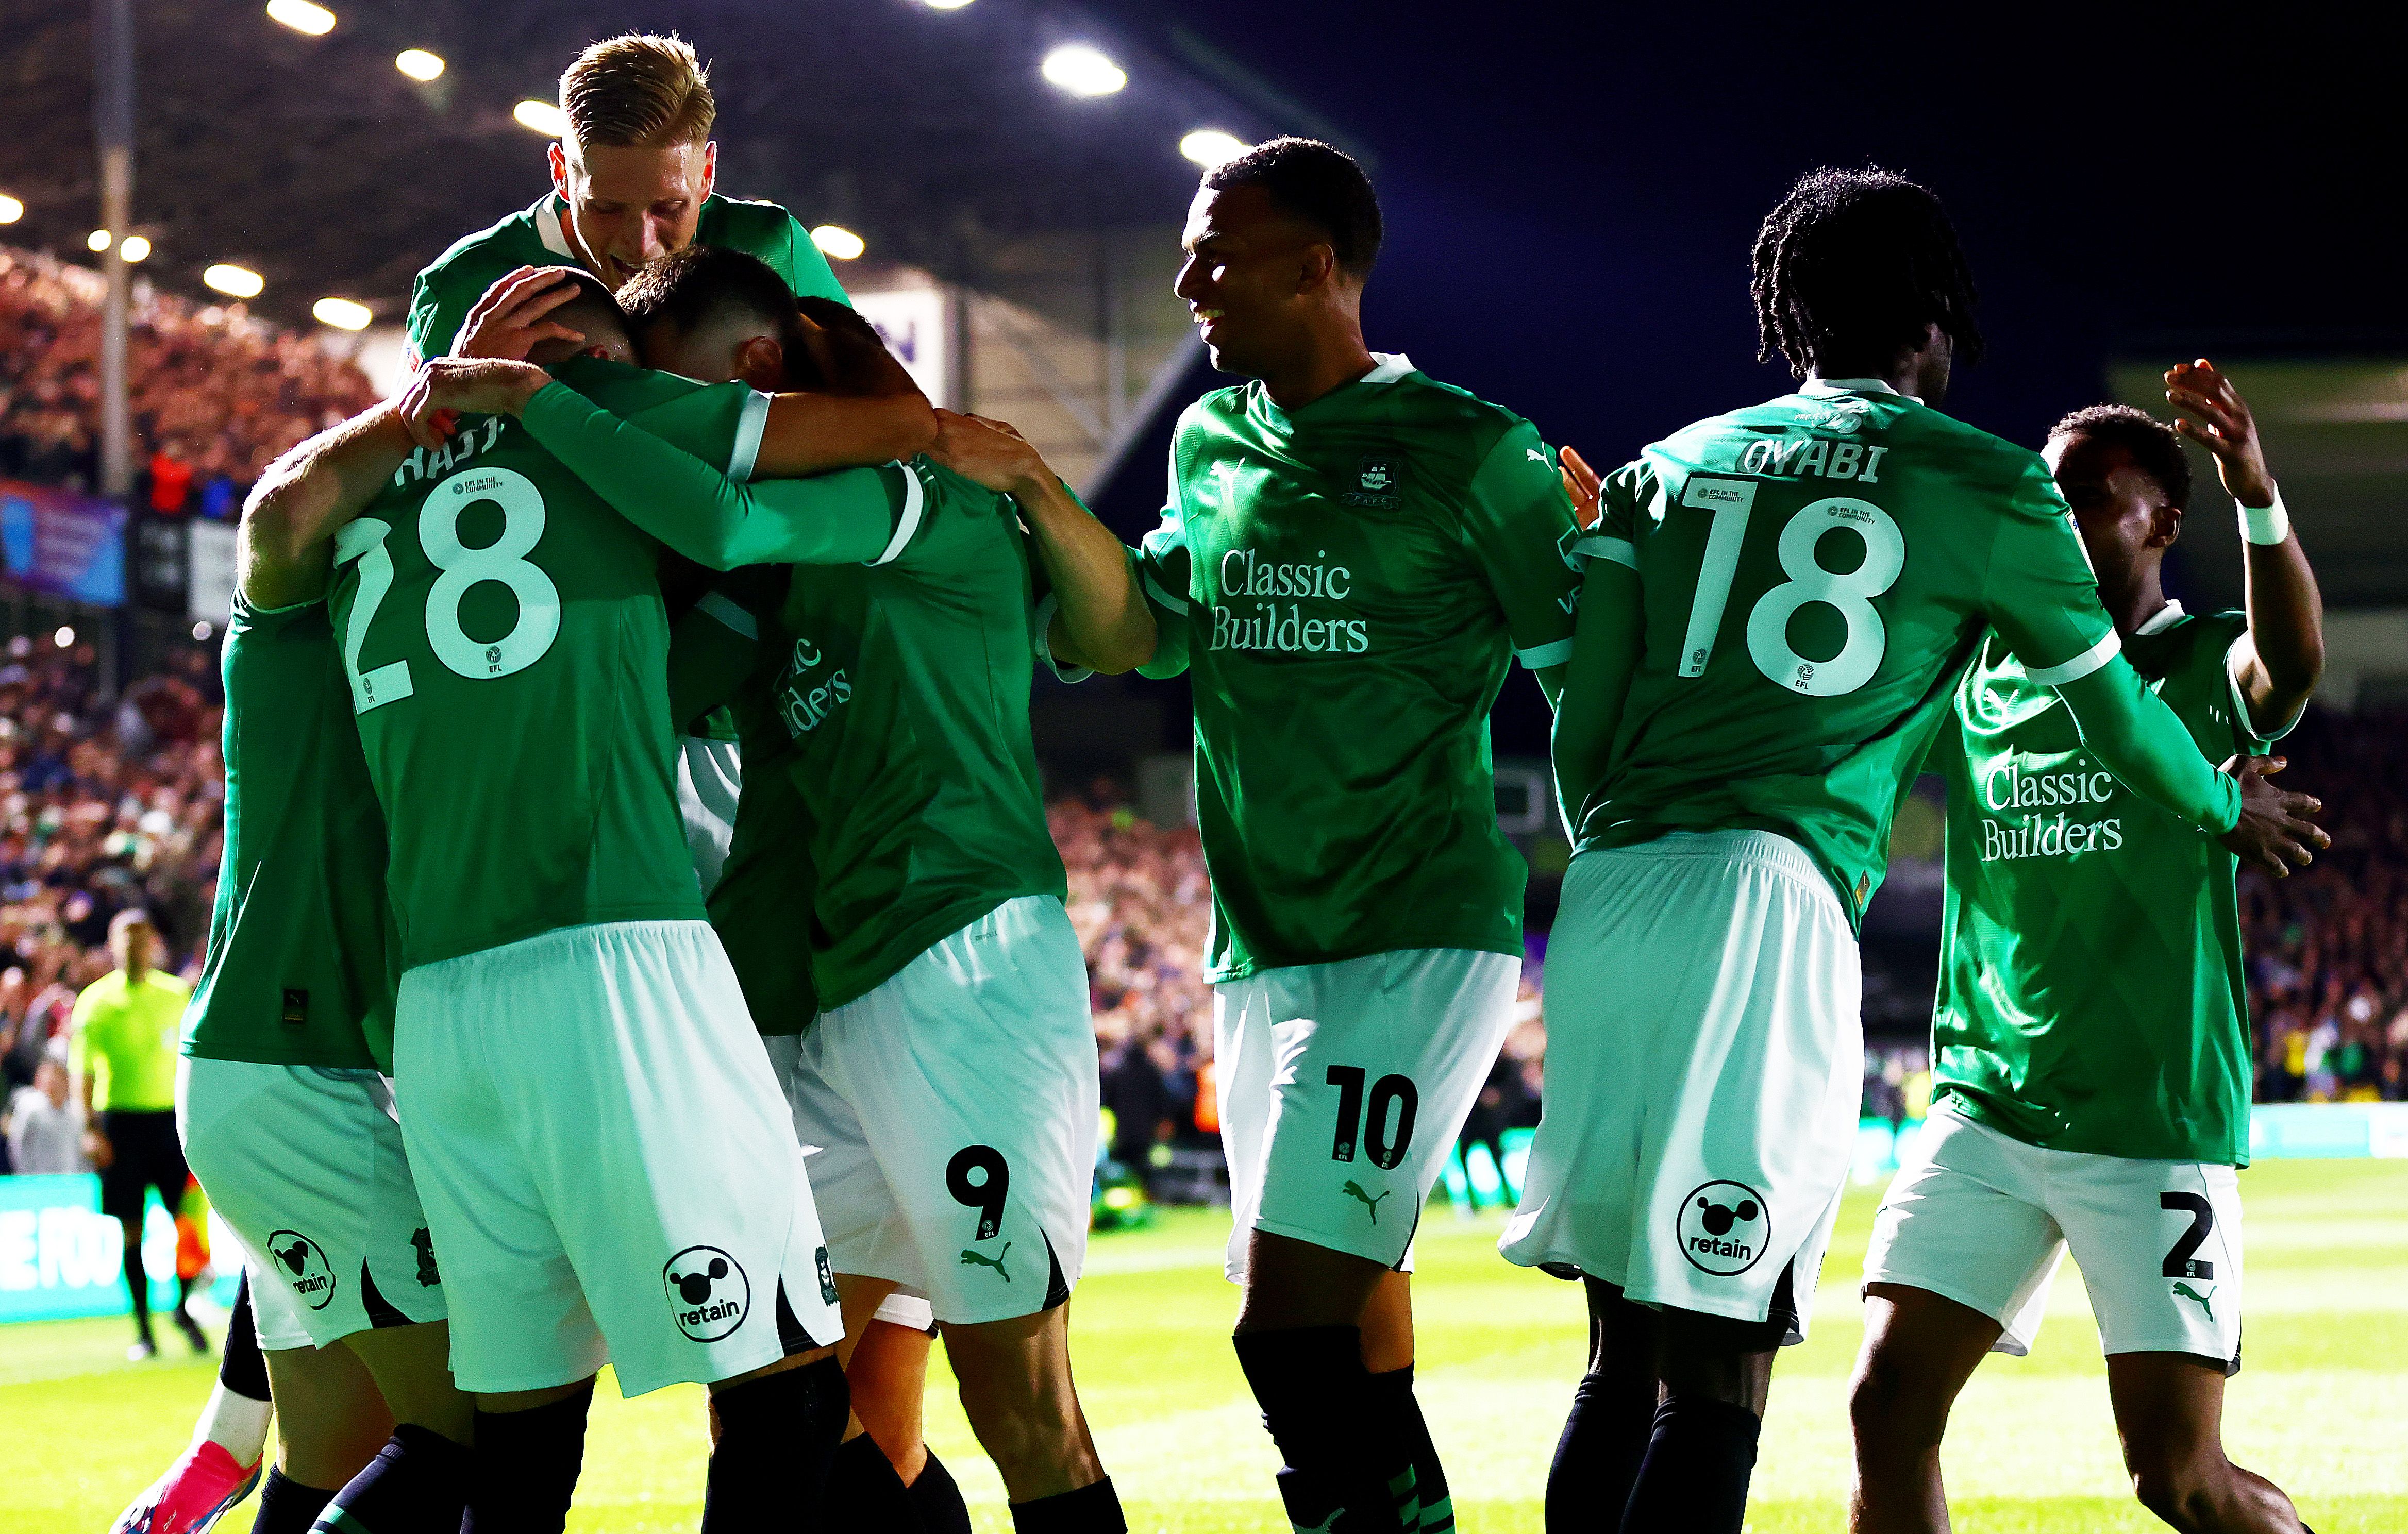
{"x":1850,"y":593}
{"x":459,"y":567}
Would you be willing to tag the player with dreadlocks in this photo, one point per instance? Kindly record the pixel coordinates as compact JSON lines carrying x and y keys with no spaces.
{"x":1778,"y":604}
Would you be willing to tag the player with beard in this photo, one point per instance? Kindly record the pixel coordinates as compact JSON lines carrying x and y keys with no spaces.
{"x":2092,"y":1060}
{"x":1779,"y":603}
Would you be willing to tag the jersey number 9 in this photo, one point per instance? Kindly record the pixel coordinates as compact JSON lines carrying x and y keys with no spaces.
{"x":459,"y":567}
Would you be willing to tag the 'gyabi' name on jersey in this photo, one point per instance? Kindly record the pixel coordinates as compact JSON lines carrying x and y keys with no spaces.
{"x":2007,"y":787}
{"x":1268,"y":625}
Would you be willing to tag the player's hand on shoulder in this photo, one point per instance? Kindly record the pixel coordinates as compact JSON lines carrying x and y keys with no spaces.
{"x":2277,"y":830}
{"x":1583,"y":484}
{"x":2214,"y":415}
{"x":509,"y":320}
{"x":986,"y":453}
{"x":447,"y":388}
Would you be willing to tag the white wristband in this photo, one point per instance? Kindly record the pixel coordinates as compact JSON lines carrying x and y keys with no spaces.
{"x":2265,"y":524}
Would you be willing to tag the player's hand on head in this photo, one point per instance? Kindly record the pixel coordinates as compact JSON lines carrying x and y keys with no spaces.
{"x":2213,"y":414}
{"x":1583,"y":484}
{"x":2278,"y":829}
{"x":986,"y":452}
{"x":447,"y":388}
{"x":509,"y":320}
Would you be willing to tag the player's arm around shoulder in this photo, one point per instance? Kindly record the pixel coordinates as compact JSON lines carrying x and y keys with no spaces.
{"x":1520,"y":527}
{"x":1609,"y":631}
{"x":881,"y":417}
{"x":285,"y":542}
{"x":2277,"y":663}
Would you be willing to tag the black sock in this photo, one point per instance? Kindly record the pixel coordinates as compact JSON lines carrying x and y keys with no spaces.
{"x":240,"y":1368}
{"x":863,"y":1491}
{"x":525,"y":1470}
{"x":1396,"y":1388}
{"x":1321,"y":1408}
{"x":1694,"y":1480}
{"x":417,"y":1483}
{"x":138,"y":1283}
{"x":1598,"y":1458}
{"x":938,"y":1501}
{"x":777,"y":1437}
{"x":286,"y":1506}
{"x":1090,"y":1510}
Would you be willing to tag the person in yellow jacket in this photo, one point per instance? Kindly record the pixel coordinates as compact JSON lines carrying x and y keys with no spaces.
{"x":125,"y":1027}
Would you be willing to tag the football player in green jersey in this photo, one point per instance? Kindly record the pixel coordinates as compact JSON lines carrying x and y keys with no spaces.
{"x":2091,"y":1043}
{"x":607,"y":1164}
{"x":1352,"y":557}
{"x":1778,"y":605}
{"x":633,"y":181}
{"x":286,"y":1118}
{"x":949,"y":1078}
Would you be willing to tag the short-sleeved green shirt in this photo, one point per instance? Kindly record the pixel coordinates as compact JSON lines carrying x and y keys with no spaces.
{"x":1345,"y":584}
{"x":537,"y":236}
{"x":505,"y":637}
{"x":2091,"y":993}
{"x":893,"y":701}
{"x":124,"y":1039}
{"x":1816,"y":572}
{"x":297,"y":969}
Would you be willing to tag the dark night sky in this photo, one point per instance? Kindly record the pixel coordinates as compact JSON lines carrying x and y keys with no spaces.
{"x":1571,"y":190}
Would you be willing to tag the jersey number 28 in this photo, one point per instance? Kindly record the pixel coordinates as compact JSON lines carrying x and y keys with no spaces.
{"x":458,"y":568}
{"x":1850,"y":593}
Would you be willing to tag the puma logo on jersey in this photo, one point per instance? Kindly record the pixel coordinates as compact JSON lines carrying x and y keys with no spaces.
{"x":974,"y":1259}
{"x":1354,"y":1190}
{"x":1225,"y":472}
{"x":1536,"y":455}
{"x":2186,"y":1292}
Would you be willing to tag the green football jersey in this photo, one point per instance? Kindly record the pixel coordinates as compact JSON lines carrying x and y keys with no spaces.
{"x":537,"y":236}
{"x":1346,"y":584}
{"x":762,"y":905}
{"x":297,"y":968}
{"x":2091,"y":994}
{"x":895,"y":702}
{"x":507,"y":645}
{"x":1816,"y":571}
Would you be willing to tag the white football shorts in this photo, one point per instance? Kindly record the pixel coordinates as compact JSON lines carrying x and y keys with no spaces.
{"x":951,"y":1117}
{"x":306,"y":1167}
{"x":1342,"y":1087}
{"x":607,"y":1163}
{"x":1982,"y":1218}
{"x":1704,"y":1066}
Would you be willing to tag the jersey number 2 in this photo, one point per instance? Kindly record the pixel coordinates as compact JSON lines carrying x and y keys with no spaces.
{"x":1849,"y":592}
{"x":459,"y":567}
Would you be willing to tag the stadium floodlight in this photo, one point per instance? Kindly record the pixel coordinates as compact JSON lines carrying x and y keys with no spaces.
{"x":99,"y":240}
{"x":10,"y":208}
{"x":1083,"y":71}
{"x":418,"y":64}
{"x":342,"y":313}
{"x":203,"y":630}
{"x":945,"y":5}
{"x":837,"y":241}
{"x":133,"y":248}
{"x":1210,"y":147}
{"x":235,"y":282}
{"x":543,"y":117}
{"x":64,"y":638}
{"x":302,"y":16}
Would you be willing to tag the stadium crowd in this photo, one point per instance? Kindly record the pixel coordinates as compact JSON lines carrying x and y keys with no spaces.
{"x":215,"y":394}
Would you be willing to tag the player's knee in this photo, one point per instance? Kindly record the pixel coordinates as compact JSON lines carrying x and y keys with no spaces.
{"x":2176,"y":1484}
{"x":1890,"y":1409}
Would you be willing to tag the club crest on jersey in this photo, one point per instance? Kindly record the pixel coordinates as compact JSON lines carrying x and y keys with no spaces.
{"x":304,"y":1265}
{"x":1723,"y":1227}
{"x":1375,"y":483}
{"x":708,"y":1294}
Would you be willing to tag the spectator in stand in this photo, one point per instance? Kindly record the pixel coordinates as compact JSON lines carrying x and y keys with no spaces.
{"x":45,"y":1133}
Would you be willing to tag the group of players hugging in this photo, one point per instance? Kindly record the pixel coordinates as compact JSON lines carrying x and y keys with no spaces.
{"x":646,"y":688}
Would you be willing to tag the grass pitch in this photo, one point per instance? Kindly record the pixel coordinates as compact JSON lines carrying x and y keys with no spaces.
{"x":2322,"y":1406}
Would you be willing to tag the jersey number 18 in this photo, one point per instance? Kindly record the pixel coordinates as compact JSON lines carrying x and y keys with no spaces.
{"x":1848,"y":593}
{"x":458,"y":567}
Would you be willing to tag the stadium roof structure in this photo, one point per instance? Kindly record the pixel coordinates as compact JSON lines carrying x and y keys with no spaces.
{"x":318,"y":163}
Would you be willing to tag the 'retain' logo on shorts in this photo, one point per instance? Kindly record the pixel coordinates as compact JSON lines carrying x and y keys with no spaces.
{"x":827,"y":1275}
{"x":709,"y":1297}
{"x":423,"y":1243}
{"x":1723,"y":1227}
{"x":304,"y":1265}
